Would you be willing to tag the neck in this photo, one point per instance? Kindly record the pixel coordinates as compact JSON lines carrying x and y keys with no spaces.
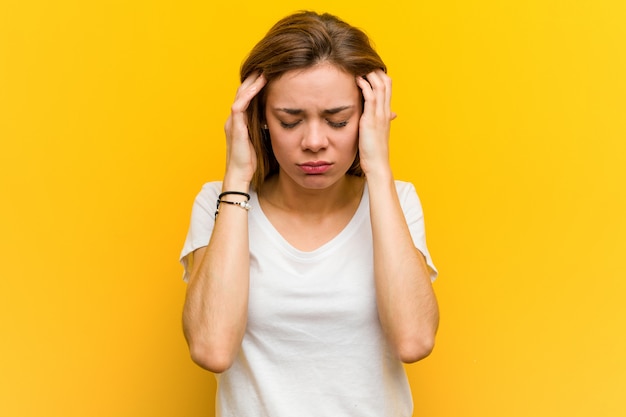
{"x":282,"y":193}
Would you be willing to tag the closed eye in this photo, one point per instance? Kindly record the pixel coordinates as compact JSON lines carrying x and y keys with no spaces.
{"x":337,"y":125}
{"x":289,"y":125}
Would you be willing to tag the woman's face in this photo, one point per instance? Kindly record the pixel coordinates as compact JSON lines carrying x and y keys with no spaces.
{"x":313,"y":117}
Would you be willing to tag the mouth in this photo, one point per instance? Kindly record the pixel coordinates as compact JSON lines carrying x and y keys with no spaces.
{"x":315,"y":167}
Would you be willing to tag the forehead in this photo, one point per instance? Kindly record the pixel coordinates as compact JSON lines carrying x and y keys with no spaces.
{"x":321,"y":86}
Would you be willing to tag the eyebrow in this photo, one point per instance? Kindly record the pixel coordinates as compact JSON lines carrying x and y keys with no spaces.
{"x":296,"y":112}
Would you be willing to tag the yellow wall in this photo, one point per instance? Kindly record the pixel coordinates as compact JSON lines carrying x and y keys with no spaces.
{"x":512,"y":124}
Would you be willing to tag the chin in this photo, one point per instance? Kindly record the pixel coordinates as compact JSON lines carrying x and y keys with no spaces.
{"x":318,"y":182}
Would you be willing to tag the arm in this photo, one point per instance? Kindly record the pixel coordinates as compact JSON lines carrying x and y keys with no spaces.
{"x":407,"y":306}
{"x":216,"y":303}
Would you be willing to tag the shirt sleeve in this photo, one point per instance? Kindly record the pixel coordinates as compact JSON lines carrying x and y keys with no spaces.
{"x":201,"y":224}
{"x":414,"y":215}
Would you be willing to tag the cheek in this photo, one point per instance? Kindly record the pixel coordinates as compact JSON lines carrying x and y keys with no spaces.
{"x":353,"y":135}
{"x":282,"y":146}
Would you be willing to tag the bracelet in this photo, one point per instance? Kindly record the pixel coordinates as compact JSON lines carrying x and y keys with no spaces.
{"x":243,"y":204}
{"x":234,"y":193}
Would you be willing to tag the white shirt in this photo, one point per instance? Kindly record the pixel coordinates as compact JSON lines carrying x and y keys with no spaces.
{"x":313,"y":344}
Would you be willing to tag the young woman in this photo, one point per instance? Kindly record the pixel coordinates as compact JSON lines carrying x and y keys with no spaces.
{"x":309,"y":279}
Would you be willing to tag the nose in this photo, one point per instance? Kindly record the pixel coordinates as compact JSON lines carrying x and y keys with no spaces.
{"x":314,"y":138}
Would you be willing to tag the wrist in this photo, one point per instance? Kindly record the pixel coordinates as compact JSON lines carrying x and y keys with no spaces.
{"x":235,"y":184}
{"x":382,"y":175}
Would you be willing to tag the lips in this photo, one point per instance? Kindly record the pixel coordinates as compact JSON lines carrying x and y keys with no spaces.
{"x":315,"y":167}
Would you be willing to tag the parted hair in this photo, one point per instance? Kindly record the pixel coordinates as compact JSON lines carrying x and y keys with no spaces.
{"x":297,"y":42}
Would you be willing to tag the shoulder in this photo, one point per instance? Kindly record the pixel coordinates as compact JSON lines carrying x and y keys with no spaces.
{"x":206,"y":198}
{"x":214,"y":188}
{"x":211,"y":187}
{"x":209,"y":191}
{"x":405,"y":189}
{"x":209,"y":194}
{"x":409,"y":200}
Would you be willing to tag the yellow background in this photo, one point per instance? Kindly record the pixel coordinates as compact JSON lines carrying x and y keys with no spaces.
{"x":512,"y":125}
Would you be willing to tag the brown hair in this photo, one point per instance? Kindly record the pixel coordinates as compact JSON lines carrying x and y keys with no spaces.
{"x":300,"y":41}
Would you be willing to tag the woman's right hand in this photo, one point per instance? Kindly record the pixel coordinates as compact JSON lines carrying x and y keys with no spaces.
{"x":240,"y":155}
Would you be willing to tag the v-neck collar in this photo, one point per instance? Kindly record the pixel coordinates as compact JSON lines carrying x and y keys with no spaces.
{"x":359,"y":216}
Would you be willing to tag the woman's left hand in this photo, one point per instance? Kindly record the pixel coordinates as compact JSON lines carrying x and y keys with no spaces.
{"x":375,"y":122}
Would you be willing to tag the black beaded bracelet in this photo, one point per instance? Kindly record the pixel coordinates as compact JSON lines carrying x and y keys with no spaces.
{"x":234,"y":193}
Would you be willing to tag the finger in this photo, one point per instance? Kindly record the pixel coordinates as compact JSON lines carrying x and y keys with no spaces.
{"x":250,"y":79}
{"x":247,"y":91}
{"x":366,"y":90}
{"x":237,"y":123}
{"x":387,"y":80}
{"x":381,"y":86}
